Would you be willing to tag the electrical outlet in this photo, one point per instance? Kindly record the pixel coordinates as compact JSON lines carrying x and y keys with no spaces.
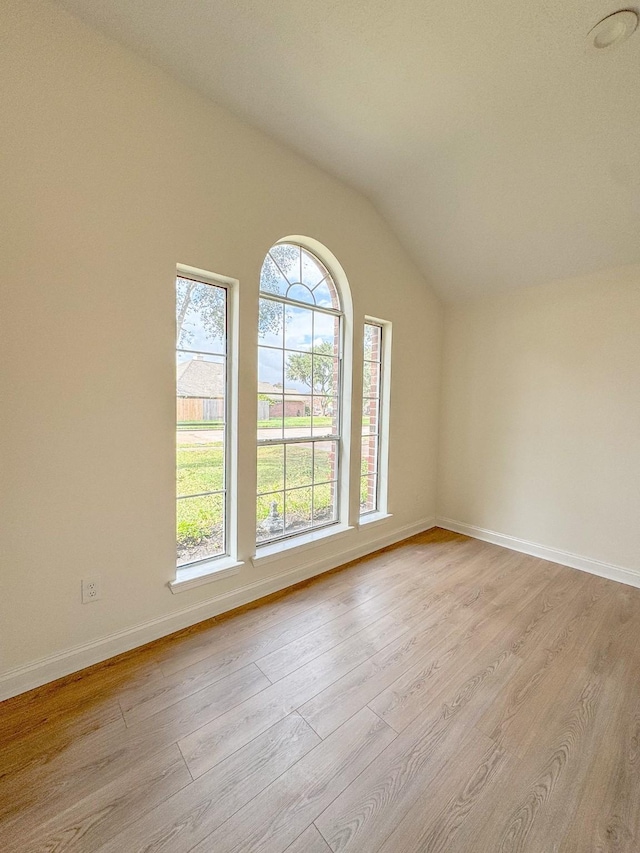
{"x":91,"y":590}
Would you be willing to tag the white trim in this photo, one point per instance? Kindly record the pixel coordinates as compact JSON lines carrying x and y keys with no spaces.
{"x":372,"y":518}
{"x":231,"y":361}
{"x":554,"y":555}
{"x":71,"y":660}
{"x":197,"y":574}
{"x":205,"y":276}
{"x":270,"y":553}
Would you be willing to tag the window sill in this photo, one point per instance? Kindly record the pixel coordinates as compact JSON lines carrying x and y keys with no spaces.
{"x":213,"y":570}
{"x":266,"y":554}
{"x":374,"y":518}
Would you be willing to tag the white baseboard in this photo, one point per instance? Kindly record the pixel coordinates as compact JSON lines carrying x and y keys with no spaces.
{"x":71,"y":660}
{"x":554,"y":555}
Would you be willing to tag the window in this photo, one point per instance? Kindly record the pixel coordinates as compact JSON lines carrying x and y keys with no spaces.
{"x":373,"y":458}
{"x":299,"y":395}
{"x":201,"y":417}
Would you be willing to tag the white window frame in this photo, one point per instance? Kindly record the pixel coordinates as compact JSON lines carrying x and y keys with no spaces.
{"x":381,"y":511}
{"x":268,"y":550}
{"x":223,"y":565}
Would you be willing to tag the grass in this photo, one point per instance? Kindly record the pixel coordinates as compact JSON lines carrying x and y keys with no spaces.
{"x":200,"y":469}
{"x":319,"y":420}
{"x":200,"y":424}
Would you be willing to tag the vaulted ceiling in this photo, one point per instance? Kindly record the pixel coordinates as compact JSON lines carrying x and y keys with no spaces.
{"x":502,"y":149}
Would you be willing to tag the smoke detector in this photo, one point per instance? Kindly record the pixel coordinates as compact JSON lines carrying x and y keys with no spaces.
{"x":613,"y":29}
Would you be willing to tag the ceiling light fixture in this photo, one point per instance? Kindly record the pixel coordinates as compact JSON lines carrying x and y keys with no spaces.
{"x":613,"y":29}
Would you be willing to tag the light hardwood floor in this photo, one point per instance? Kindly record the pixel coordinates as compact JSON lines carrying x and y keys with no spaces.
{"x":441,"y":696}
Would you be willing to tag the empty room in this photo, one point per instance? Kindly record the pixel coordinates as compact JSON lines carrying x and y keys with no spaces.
{"x":320,"y":427}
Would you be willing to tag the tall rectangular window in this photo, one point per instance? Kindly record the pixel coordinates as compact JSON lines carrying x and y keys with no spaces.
{"x":372,"y":475}
{"x":201,"y":418}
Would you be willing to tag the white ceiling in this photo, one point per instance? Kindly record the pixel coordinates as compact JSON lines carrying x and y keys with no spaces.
{"x":501,"y":149}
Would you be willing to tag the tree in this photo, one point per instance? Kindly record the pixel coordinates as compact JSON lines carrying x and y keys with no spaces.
{"x":316,"y":373}
{"x":207,"y":302}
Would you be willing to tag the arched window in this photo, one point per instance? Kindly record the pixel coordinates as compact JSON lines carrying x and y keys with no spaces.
{"x":300,"y":375}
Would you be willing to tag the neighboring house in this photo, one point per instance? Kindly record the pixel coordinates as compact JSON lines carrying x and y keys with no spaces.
{"x":272,"y":404}
{"x":200,"y":394}
{"x":200,"y":390}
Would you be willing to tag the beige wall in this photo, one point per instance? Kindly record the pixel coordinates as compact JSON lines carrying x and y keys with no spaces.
{"x":540,"y":430}
{"x":112,"y":174}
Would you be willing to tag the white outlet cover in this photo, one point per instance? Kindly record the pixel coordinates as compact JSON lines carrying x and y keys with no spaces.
{"x":90,"y":590}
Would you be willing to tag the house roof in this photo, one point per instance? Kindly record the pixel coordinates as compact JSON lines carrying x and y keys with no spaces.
{"x":292,"y":394}
{"x":500,"y":147}
{"x":200,"y":378}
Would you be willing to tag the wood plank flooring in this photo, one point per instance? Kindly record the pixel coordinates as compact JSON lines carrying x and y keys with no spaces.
{"x":441,"y":696}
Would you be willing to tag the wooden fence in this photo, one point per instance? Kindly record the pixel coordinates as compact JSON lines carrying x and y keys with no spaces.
{"x":200,"y":408}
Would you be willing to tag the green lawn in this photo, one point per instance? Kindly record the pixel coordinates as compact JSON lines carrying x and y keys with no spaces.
{"x":200,"y":469}
{"x":319,"y":420}
{"x":199,"y":424}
